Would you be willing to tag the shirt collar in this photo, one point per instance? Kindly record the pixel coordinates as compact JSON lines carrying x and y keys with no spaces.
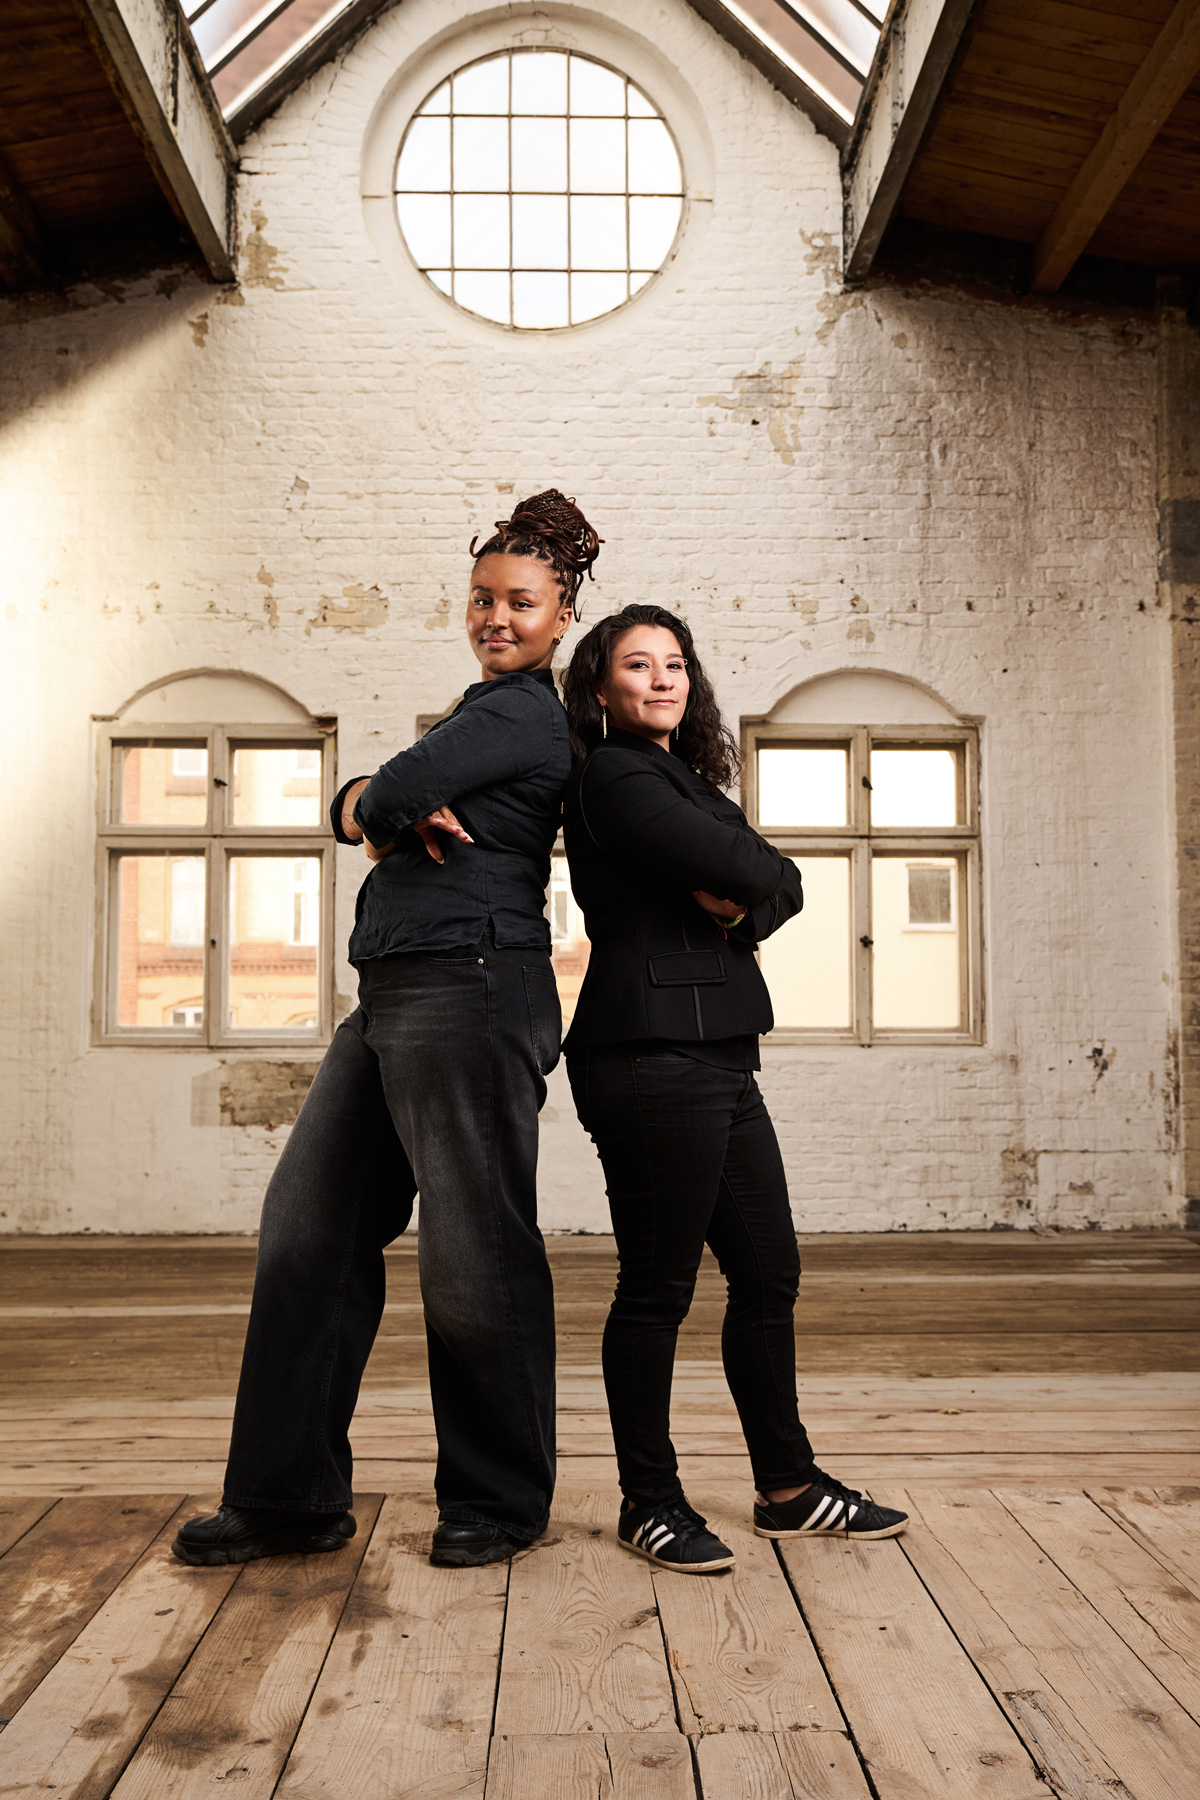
{"x":630,"y":740}
{"x":545,"y":676}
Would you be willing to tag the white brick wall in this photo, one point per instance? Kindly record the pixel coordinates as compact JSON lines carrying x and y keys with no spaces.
{"x":283,"y":479}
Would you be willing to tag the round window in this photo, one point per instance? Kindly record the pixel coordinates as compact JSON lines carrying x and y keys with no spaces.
{"x":538,"y":189}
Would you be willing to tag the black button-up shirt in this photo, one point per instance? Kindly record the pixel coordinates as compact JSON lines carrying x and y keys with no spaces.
{"x":501,"y":760}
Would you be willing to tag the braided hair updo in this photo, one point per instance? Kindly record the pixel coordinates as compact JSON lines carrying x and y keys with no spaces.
{"x":702,"y":738}
{"x":552,"y":528}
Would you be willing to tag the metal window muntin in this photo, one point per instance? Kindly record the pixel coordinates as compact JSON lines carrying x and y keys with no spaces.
{"x":219,"y":833}
{"x":961,"y":841}
{"x":507,"y":192}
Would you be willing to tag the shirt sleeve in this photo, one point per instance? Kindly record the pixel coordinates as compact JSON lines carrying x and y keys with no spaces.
{"x":637,"y":813}
{"x":498,"y":737}
{"x":335,"y":810}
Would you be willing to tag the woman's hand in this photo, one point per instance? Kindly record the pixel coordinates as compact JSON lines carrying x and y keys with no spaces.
{"x":440,"y":819}
{"x":720,"y":909}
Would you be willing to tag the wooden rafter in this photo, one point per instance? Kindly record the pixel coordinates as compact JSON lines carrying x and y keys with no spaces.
{"x":1152,"y":96}
{"x":22,"y":254}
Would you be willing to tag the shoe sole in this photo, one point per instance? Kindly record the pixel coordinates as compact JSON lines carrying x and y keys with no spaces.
{"x":887,"y":1531}
{"x":473,"y":1559}
{"x":660,"y":1562}
{"x":217,"y":1556}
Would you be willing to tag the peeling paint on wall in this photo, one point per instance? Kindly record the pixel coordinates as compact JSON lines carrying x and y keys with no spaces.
{"x":1019,"y":1173}
{"x":262,"y":265}
{"x":365,"y":610}
{"x":269,"y":1094}
{"x":767,"y":396}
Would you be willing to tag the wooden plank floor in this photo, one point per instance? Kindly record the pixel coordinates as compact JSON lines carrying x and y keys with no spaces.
{"x":1030,"y":1401}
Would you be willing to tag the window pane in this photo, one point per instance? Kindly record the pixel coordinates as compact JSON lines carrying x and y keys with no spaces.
{"x":539,"y":81}
{"x":914,"y":787}
{"x":595,"y":90}
{"x":652,"y":228}
{"x":487,"y":295}
{"x":274,"y":929}
{"x":161,"y":784}
{"x":598,"y":156}
{"x":480,"y":232}
{"x":425,"y":158}
{"x":570,"y":947}
{"x":540,"y":234}
{"x":483,"y":88}
{"x":807,"y":962}
{"x":592,"y":295}
{"x":425,"y":222}
{"x":540,"y":301}
{"x":598,"y":233}
{"x":480,"y":160}
{"x":539,"y":156}
{"x":653,"y":159}
{"x":802,"y":787}
{"x":160,"y":928}
{"x":915,"y":912}
{"x":276,"y":787}
{"x":439,"y":100}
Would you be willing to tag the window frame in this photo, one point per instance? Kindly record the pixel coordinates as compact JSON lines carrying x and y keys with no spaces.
{"x":862,"y":840}
{"x":216,"y":840}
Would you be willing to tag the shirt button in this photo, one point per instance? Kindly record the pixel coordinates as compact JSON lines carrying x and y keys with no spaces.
{"x":481,"y":962}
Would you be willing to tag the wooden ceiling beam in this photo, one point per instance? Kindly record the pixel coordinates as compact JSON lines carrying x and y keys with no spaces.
{"x":22,"y":253}
{"x":1151,"y":97}
{"x":915,"y":55}
{"x":151,"y":59}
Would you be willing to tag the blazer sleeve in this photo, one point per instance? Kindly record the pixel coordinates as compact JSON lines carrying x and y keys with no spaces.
{"x":498,"y":737}
{"x":636,"y":812}
{"x":769,"y":914}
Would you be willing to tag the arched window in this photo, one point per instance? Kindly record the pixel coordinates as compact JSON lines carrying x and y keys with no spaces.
{"x":215,"y":874}
{"x":871,"y":784}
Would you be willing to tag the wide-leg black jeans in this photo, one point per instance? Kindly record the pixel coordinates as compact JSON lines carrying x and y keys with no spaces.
{"x":690,"y":1157}
{"x":435,"y":1083}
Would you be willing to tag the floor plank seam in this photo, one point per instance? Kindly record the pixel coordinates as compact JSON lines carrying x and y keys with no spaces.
{"x":851,"y":1739}
{"x":1011,"y":1716}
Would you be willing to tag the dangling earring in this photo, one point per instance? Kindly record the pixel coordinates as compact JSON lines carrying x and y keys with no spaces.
{"x":603,"y":721}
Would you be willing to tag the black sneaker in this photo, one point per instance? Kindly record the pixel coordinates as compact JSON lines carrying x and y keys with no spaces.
{"x":235,"y":1534}
{"x":826,"y":1508}
{"x":458,"y":1546}
{"x":674,"y":1536}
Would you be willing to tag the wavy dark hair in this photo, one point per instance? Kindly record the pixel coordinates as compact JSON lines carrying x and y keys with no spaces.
{"x":702,"y":740}
{"x":552,"y":528}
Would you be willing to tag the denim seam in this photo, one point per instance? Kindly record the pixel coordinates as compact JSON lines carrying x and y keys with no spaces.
{"x":512,"y":1326}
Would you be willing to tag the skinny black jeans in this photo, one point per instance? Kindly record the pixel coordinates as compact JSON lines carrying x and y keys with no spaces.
{"x":690,"y":1157}
{"x":435,"y":1082}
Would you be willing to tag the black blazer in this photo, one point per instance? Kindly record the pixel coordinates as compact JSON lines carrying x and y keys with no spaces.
{"x":642,"y":831}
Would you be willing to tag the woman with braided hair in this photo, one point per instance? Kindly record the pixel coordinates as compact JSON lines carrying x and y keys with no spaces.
{"x":433,"y":1083}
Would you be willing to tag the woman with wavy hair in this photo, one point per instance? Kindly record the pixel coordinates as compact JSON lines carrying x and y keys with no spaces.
{"x":677,"y":891}
{"x":434,"y":1082}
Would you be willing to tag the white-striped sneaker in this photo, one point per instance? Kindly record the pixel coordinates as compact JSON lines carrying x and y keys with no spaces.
{"x":827,"y":1508}
{"x":674,"y":1536}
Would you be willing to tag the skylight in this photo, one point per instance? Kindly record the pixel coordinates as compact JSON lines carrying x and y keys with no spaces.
{"x":248,"y":46}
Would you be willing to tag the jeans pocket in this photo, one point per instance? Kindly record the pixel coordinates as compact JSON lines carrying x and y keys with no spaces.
{"x":545,"y":1014}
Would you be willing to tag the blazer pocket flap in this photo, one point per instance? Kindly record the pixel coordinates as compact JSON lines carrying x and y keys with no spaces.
{"x":687,"y":968}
